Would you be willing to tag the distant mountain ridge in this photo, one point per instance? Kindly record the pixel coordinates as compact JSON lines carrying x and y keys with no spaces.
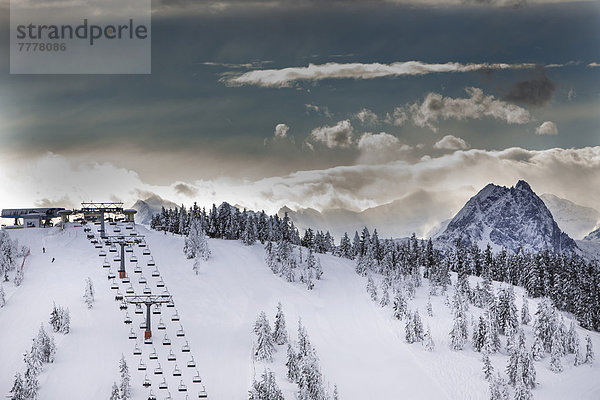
{"x":593,"y":236}
{"x":507,"y":217}
{"x":152,"y":205}
{"x":573,"y":219}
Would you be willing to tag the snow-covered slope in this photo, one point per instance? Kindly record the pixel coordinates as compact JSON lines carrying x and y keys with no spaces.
{"x":573,"y":219}
{"x":507,"y":217}
{"x":593,"y":236}
{"x":360,"y":345}
{"x":152,"y":205}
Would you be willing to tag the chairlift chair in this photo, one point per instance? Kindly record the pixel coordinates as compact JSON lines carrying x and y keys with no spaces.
{"x":117,"y":230}
{"x":132,"y":335}
{"x":163,"y":384}
{"x":180,"y":331}
{"x":161,"y":325}
{"x":102,"y":253}
{"x":176,"y":371}
{"x":133,"y":259}
{"x":156,"y":274}
{"x":129,"y":249}
{"x":123,"y":306}
{"x":146,"y":252}
{"x":151,"y":262}
{"x":98,"y":245}
{"x":142,"y":244}
{"x":171,"y":356}
{"x":175,"y":316}
{"x":191,"y":363}
{"x":125,"y":280}
{"x":151,"y":395}
{"x":130,"y":290}
{"x":153,"y":355}
{"x":166,"y":341}
{"x":137,"y":351}
{"x":117,"y":259}
{"x":137,"y":269}
{"x":182,"y":387}
{"x":197,"y":378}
{"x":147,"y":382}
{"x":202,"y":394}
{"x":138,"y":309}
{"x":147,"y":290}
{"x":156,"y":310}
{"x":141,"y":366}
{"x":118,"y":296}
{"x":106,"y":264}
{"x":158,"y":370}
{"x":148,"y":340}
{"x":113,"y":249}
{"x":143,"y":325}
{"x":142,"y":280}
{"x":171,"y":304}
{"x":127,"y":319}
{"x":111,"y":275}
{"x":114,"y":285}
{"x":185,"y":348}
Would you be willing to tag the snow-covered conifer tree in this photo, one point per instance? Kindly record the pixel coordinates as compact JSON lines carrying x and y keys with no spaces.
{"x":292,"y":364}
{"x":2,"y":296}
{"x":18,"y":389}
{"x":459,"y":333}
{"x":31,"y":384}
{"x":125,"y":386}
{"x":399,"y":305}
{"x":556,"y":354}
{"x":488,"y":369}
{"x":266,"y":388}
{"x":114,"y":393}
{"x":428,"y":340}
{"x":525,"y":317}
{"x":264,"y":348}
{"x":280,"y":332}
{"x":88,"y":295}
{"x":409,"y":329}
{"x":589,"y":351}
{"x":385,"y":293}
{"x":418,"y":326}
{"x":371,"y":289}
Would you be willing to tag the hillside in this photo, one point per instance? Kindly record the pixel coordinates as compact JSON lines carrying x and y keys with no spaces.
{"x":360,"y":345}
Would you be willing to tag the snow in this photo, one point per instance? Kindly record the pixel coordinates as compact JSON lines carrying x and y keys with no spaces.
{"x":360,"y":346}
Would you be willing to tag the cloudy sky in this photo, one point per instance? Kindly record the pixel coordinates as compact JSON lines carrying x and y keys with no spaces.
{"x":323,"y":104}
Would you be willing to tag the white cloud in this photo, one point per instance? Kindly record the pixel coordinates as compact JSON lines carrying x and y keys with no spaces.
{"x":593,"y":64}
{"x":377,"y":141}
{"x":367,"y":116}
{"x":281,"y":131}
{"x":339,"y":135}
{"x":397,"y":118}
{"x":286,"y":76}
{"x":547,"y":128}
{"x":476,"y":106}
{"x":450,"y":142}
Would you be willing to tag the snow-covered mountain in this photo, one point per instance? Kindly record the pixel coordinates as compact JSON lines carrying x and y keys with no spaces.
{"x":593,"y":236}
{"x":152,"y":205}
{"x":573,"y":219}
{"x":507,"y":217}
{"x":418,"y":213}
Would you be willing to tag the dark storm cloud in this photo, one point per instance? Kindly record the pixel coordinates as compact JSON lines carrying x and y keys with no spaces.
{"x":537,"y":91}
{"x":186,"y":190}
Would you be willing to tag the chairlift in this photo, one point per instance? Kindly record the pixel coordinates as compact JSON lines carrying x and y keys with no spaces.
{"x":133,"y":259}
{"x":128,"y":227}
{"x":176,"y":371}
{"x":117,"y":259}
{"x":102,"y":253}
{"x":148,"y":340}
{"x":143,"y":325}
{"x":158,"y":370}
{"x":125,"y":280}
{"x":185,"y":348}
{"x":161,"y":325}
{"x":180,"y":332}
{"x":147,"y":382}
{"x":197,"y":378}
{"x":129,"y":249}
{"x":151,"y":262}
{"x":141,"y":366}
{"x":123,"y":306}
{"x":151,"y":395}
{"x":138,"y":309}
{"x":142,"y":280}
{"x":202,"y":394}
{"x":127,"y":319}
{"x":175,"y":316}
{"x":137,"y":351}
{"x":146,"y":252}
{"x":130,"y":290}
{"x":171,"y":356}
{"x":147,"y":290}
{"x":117,"y":230}
{"x":156,"y":274}
{"x":111,"y":274}
{"x":137,"y":269}
{"x":156,"y":310}
{"x":118,"y":296}
{"x":132,"y":334}
{"x":98,"y":245}
{"x":114,"y":285}
{"x":163,"y":384}
{"x":142,"y":244}
{"x":191,"y":363}
{"x":153,"y":355}
{"x":171,"y":303}
{"x":106,"y":264}
{"x":166,"y":341}
{"x":113,"y":248}
{"x":182,"y":387}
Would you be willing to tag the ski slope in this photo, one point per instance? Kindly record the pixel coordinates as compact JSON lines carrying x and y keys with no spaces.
{"x":360,"y":346}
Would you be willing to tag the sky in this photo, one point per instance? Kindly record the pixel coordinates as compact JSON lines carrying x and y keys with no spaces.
{"x":318,"y":104}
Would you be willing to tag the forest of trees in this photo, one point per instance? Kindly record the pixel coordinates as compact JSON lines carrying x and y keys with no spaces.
{"x":569,"y":280}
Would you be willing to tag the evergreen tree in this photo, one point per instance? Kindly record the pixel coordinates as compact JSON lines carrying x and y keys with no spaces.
{"x":409,"y":329}
{"x":292,"y":364}
{"x":371,"y":289}
{"x":2,"y":296}
{"x":418,"y":326}
{"x":264,"y":339}
{"x":522,"y":391}
{"x":345,"y":249}
{"x":555,"y":355}
{"x":318,"y":269}
{"x":266,"y":388}
{"x":537,"y":349}
{"x":480,"y":335}
{"x":488,"y":369}
{"x":589,"y":351}
{"x":572,"y":339}
{"x":429,"y":307}
{"x":498,"y":388}
{"x":578,"y":356}
{"x":31,"y":384}
{"x":114,"y":393}
{"x":18,"y":389}
{"x":428,"y":340}
{"x":88,"y":295}
{"x":525,"y":317}
{"x":280,"y":332}
{"x":459,"y":333}
{"x":400,"y":307}
{"x":46,"y":344}
{"x":385,"y":293}
{"x":125,"y":386}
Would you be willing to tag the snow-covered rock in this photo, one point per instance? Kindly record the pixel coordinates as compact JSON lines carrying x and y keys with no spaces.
{"x":573,"y":219}
{"x":507,"y":217}
{"x":152,"y":205}
{"x":593,"y":236}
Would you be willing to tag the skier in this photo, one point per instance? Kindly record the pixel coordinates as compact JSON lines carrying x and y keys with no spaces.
{"x":43,"y":249}
{"x":52,"y":259}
